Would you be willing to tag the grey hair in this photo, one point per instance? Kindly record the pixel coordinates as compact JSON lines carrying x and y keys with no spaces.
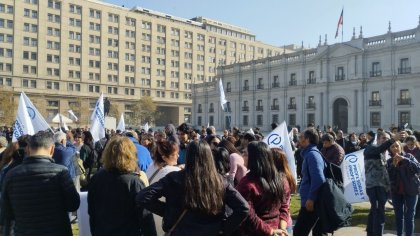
{"x":59,"y":136}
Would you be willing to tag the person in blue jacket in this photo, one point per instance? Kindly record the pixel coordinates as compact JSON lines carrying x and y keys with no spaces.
{"x":143,"y":155}
{"x":64,"y":153}
{"x":312,"y":179}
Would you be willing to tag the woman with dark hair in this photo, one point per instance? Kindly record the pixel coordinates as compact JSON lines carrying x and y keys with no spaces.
{"x":147,"y":140}
{"x":87,"y":153}
{"x":112,"y":192}
{"x":404,"y":171}
{"x":221,"y":159}
{"x":289,"y":185}
{"x":263,"y":188}
{"x":237,"y":161}
{"x":195,"y":197}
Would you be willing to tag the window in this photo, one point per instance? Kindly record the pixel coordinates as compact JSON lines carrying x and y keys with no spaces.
{"x":405,"y":98}
{"x":275,"y":118}
{"x":246,"y":85}
{"x":404,"y":66}
{"x":245,"y":120}
{"x":404,"y":118}
{"x":259,"y":120}
{"x":375,"y":119}
{"x":293,"y":81}
{"x":376,"y":69}
{"x":340,"y":73}
{"x":292,"y":119}
{"x":310,"y":118}
{"x":260,"y":83}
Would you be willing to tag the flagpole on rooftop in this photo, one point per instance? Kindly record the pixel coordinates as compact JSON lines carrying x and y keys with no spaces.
{"x":342,"y":27}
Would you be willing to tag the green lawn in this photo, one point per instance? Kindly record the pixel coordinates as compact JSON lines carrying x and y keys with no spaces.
{"x":360,"y":216}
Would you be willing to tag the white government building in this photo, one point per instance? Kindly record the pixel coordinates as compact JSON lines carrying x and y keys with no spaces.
{"x":359,"y":85}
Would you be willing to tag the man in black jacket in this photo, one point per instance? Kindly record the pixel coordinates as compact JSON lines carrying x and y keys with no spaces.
{"x":38,"y":194}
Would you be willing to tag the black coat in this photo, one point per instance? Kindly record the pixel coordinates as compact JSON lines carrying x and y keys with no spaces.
{"x":111,"y":205}
{"x":172,"y":187}
{"x":38,"y":194}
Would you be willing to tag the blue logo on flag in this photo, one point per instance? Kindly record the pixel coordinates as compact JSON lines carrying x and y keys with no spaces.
{"x":351,"y":158}
{"x":274,"y":139}
{"x":31,"y":112}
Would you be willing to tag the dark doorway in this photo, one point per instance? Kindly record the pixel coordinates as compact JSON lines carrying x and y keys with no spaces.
{"x":341,"y":114}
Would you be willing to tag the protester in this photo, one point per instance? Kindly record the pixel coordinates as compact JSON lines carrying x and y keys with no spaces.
{"x":64,"y":154}
{"x":87,"y":153}
{"x":195,"y":205}
{"x":289,"y":183}
{"x":112,"y":191}
{"x":237,"y":162}
{"x":411,"y":145}
{"x":183,"y":136}
{"x":263,"y":189}
{"x":352,"y":144}
{"x":340,"y":139}
{"x":38,"y":194}
{"x":363,"y":142}
{"x":143,"y":155}
{"x":170,"y":132}
{"x":377,"y":182}
{"x":165,"y":162}
{"x":312,"y":179}
{"x":404,"y":171}
{"x":147,"y":140}
{"x":222,"y":162}
{"x":332,"y":152}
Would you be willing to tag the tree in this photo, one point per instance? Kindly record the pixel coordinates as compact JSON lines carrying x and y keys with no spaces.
{"x":8,"y":107}
{"x":114,"y":111}
{"x":143,"y":111}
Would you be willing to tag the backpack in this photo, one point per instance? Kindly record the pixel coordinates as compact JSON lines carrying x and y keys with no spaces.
{"x":333,"y":210}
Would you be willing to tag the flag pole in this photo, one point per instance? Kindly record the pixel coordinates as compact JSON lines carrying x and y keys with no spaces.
{"x":342,"y":27}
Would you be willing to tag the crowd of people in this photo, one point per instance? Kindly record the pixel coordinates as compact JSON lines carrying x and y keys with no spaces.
{"x":182,"y":181}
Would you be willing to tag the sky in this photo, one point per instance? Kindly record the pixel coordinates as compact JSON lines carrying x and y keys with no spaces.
{"x":281,"y":22}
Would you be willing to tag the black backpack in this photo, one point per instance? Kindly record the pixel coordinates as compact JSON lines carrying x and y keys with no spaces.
{"x":331,"y":206}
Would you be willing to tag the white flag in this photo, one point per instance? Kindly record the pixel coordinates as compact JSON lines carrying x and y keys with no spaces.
{"x":98,"y":126}
{"x":223,"y":100}
{"x":121,"y":123}
{"x":63,"y":123}
{"x":38,"y":122}
{"x":73,"y":115}
{"x":279,"y":138}
{"x":23,"y":124}
{"x":354,"y":180}
{"x":146,"y":126}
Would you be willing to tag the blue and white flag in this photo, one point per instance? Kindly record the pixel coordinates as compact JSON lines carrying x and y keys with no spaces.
{"x":354,"y":179}
{"x":121,"y":123}
{"x":98,"y":125}
{"x":38,"y":121}
{"x":23,"y":124}
{"x":223,"y":100}
{"x":73,"y":115}
{"x":279,"y":138}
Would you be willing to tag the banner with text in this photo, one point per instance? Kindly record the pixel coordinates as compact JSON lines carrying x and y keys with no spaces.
{"x":353,"y":169}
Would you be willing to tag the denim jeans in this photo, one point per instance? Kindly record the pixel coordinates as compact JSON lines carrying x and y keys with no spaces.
{"x":376,"y":219}
{"x":404,"y":207}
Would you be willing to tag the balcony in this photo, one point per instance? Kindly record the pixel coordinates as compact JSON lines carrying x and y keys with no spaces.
{"x":312,"y":81}
{"x":404,"y":70}
{"x":200,"y":111}
{"x":228,"y":109}
{"x":340,"y":77}
{"x":211,"y":110}
{"x":259,"y":108}
{"x":276,"y":84}
{"x":376,"y":73}
{"x":292,"y":82}
{"x":275,"y":107}
{"x":375,"y":103}
{"x":245,"y":108}
{"x":228,"y":90}
{"x":260,"y":86}
{"x":310,"y":105}
{"x":291,"y":106}
{"x":246,"y":87}
{"x":404,"y":101}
